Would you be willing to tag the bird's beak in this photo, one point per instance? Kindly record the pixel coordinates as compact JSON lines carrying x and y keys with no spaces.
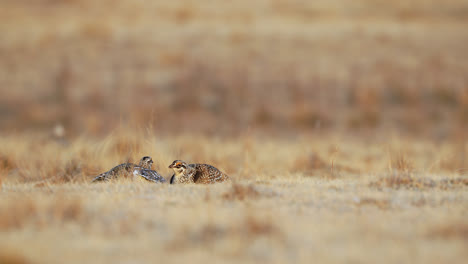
{"x":171,"y":166}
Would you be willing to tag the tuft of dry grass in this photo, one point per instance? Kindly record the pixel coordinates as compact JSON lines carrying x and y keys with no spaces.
{"x":241,"y":192}
{"x":6,"y":164}
{"x":383,"y":204}
{"x":458,"y":230}
{"x":400,"y":161}
{"x":397,"y":180}
{"x":311,"y":163}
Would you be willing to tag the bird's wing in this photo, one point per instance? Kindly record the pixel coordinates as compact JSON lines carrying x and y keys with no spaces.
{"x":192,"y":173}
{"x":114,"y":172}
{"x":151,"y":175}
{"x":216,"y":175}
{"x":209,"y":174}
{"x":122,"y":169}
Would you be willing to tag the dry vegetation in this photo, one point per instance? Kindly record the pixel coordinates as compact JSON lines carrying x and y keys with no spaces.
{"x":287,"y":203}
{"x":342,"y":123}
{"x":351,"y":66}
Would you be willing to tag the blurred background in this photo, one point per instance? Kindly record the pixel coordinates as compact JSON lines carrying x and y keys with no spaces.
{"x":279,"y":67}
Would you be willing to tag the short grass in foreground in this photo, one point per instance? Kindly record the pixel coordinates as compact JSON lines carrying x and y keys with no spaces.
{"x":327,"y":200}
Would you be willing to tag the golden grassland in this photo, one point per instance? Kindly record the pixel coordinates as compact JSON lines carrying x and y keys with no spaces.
{"x":184,"y":65}
{"x":364,"y":105}
{"x":322,"y":198}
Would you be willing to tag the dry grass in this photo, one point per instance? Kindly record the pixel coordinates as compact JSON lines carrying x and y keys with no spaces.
{"x":282,"y":206}
{"x":241,"y":192}
{"x":398,"y":180}
{"x":453,"y":231}
{"x":342,"y":123}
{"x":362,"y":66}
{"x":9,"y":256}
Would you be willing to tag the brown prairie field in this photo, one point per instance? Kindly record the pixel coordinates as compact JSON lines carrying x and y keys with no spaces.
{"x":342,"y":124}
{"x":326,"y":199}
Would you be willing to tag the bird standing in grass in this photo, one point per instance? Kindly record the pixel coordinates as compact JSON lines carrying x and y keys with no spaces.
{"x":196,"y":173}
{"x":143,"y":169}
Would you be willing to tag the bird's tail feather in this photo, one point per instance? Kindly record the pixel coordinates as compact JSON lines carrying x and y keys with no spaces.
{"x":100,"y":177}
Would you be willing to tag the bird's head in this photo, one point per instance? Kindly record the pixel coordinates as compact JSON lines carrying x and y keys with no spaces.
{"x":146,"y":162}
{"x":178,"y":166}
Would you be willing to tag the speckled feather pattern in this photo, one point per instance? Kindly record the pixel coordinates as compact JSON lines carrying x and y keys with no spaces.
{"x":200,"y":173}
{"x":122,"y":170}
{"x":127,"y":170}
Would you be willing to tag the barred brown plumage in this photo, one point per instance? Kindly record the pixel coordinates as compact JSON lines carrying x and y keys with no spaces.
{"x":143,"y":169}
{"x":196,"y":173}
